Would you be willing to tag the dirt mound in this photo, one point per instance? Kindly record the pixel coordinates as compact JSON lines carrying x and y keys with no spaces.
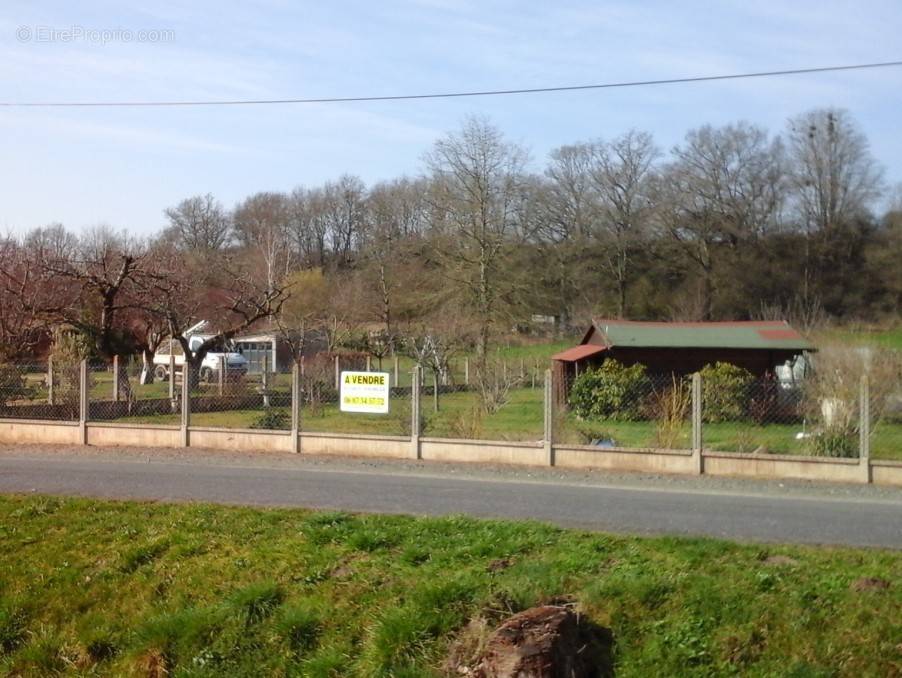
{"x":870,"y":584}
{"x":549,"y":641}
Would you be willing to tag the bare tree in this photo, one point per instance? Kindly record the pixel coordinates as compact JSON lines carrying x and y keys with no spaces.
{"x":833,"y":174}
{"x":200,"y":224}
{"x":308,"y":227}
{"x":834,"y":180}
{"x":261,"y":226}
{"x":344,"y":208}
{"x":183,"y":289}
{"x":397,"y":215}
{"x":620,"y":172}
{"x":21,"y":326}
{"x":724,"y":186}
{"x":478,"y":181}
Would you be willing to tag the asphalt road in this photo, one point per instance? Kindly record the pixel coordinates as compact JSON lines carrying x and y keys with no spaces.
{"x":860,"y":521}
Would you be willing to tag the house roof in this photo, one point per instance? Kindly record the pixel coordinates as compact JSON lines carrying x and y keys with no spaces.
{"x":578,"y":352}
{"x":761,"y":335}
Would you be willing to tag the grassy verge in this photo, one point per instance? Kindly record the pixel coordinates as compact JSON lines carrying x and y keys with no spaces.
{"x":103,"y":588}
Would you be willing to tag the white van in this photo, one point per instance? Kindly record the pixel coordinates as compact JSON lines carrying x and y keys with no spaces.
{"x":235,"y":362}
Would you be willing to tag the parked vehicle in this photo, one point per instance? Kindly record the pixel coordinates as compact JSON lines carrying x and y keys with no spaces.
{"x":235,"y":363}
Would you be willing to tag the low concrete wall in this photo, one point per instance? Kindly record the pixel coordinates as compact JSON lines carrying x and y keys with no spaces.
{"x":783,"y":466}
{"x":353,"y":445}
{"x":140,"y":435}
{"x":240,"y":439}
{"x":57,"y":433}
{"x":642,"y":461}
{"x":482,"y":451}
{"x":886,"y":472}
{"x":476,"y":451}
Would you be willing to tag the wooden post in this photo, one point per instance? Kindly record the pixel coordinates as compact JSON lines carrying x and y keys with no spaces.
{"x":522,"y":370}
{"x":466,"y":370}
{"x":296,"y":408}
{"x":396,"y":371}
{"x":548,"y":436}
{"x":115,"y":378}
{"x":864,"y":429}
{"x":83,"y":402}
{"x":50,"y":380}
{"x":697,"y":442}
{"x":415,"y":413}
{"x":186,"y":404}
{"x":265,"y":380}
{"x":222,"y":374}
{"x":337,"y":374}
{"x":368,"y":364}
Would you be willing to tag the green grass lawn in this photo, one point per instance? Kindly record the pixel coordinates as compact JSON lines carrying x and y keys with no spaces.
{"x":116,"y":588}
{"x":888,"y":338}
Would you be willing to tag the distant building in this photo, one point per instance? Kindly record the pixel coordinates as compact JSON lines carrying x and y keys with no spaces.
{"x":761,"y":347}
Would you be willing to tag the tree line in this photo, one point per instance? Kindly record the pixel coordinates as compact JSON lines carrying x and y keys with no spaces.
{"x":734,"y":222}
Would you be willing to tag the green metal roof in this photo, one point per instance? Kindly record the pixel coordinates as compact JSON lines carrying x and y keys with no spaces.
{"x":764,"y":335}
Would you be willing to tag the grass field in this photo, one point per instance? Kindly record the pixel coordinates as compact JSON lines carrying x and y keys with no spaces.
{"x":103,"y":588}
{"x":887,"y":338}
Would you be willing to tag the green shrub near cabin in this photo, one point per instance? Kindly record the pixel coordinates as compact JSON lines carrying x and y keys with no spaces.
{"x":726,"y":391}
{"x":612,"y":391}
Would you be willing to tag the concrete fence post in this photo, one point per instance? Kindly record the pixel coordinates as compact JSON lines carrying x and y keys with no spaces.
{"x":435,"y":390}
{"x":265,"y":380}
{"x":83,"y":402}
{"x":396,"y":371}
{"x":171,"y":376}
{"x":337,"y":374}
{"x":222,"y":375}
{"x":466,"y":371}
{"x":296,"y":408}
{"x":186,"y":404}
{"x":415,"y":413}
{"x":548,"y":435}
{"x":697,"y":442}
{"x":864,"y":429}
{"x":115,"y":378}
{"x":50,"y":382}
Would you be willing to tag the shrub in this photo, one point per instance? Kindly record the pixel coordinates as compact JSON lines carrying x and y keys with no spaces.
{"x":272,"y":419}
{"x":12,"y":384}
{"x":835,"y":442}
{"x":612,"y":391}
{"x":726,"y":390}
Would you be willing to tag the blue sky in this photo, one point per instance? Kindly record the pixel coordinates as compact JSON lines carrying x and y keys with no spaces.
{"x":122,"y":167}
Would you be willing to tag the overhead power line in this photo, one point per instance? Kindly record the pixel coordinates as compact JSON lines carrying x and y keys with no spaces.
{"x":453,"y":95}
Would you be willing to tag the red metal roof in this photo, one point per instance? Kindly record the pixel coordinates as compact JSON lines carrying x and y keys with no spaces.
{"x":578,"y":353}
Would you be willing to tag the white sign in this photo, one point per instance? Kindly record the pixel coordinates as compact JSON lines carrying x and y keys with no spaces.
{"x":364,"y":392}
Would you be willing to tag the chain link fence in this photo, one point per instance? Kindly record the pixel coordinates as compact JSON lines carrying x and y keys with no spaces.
{"x":119,"y":391}
{"x":39,"y":391}
{"x":608,"y":407}
{"x":624,"y":408}
{"x":232,"y":398}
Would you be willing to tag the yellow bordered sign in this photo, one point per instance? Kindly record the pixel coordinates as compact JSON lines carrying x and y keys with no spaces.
{"x":364,"y":392}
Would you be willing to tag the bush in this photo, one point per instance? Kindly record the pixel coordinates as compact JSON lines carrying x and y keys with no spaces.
{"x":12,"y":384}
{"x":835,"y":442}
{"x":726,"y":390}
{"x":272,"y":419}
{"x":610,"y":392}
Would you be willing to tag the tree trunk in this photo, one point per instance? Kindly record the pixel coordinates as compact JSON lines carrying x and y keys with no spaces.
{"x":147,"y":366}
